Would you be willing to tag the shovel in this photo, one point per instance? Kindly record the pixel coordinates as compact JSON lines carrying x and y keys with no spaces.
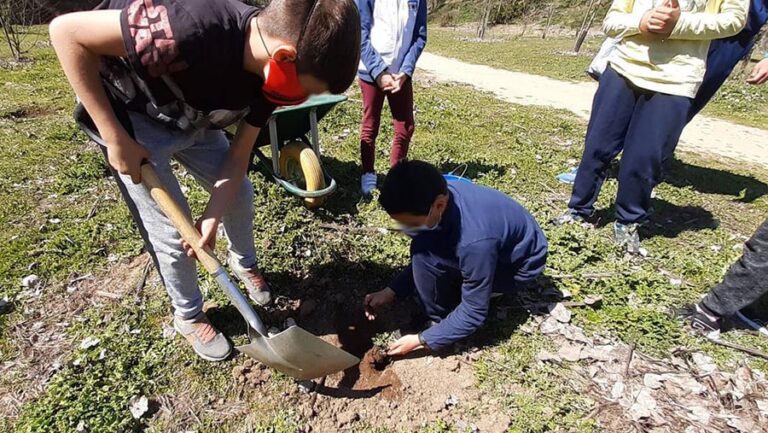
{"x":294,"y":351}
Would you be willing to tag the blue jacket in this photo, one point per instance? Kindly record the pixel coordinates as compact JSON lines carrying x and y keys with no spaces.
{"x":392,"y":37}
{"x":489,"y":242}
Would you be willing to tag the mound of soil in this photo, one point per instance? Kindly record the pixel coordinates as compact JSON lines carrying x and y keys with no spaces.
{"x":401,"y":394}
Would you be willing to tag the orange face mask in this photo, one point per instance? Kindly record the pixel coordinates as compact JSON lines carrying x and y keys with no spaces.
{"x":281,"y":83}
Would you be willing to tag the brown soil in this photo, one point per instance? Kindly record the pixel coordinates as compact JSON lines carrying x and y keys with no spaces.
{"x":379,"y":358}
{"x":402,"y":394}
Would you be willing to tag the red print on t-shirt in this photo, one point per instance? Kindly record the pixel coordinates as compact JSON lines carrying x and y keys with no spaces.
{"x":153,"y":38}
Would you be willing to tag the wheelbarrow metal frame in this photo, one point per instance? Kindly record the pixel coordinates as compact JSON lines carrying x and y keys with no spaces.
{"x":275,"y":143}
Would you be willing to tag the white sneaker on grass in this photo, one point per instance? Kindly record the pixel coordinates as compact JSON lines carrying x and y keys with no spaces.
{"x":368,"y":183}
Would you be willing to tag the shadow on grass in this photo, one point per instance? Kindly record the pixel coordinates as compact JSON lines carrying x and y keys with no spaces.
{"x":667,"y":219}
{"x":707,"y":180}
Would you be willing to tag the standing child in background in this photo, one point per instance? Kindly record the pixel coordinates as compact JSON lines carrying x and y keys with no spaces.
{"x":723,"y":56}
{"x":643,"y":100}
{"x":394,"y":33}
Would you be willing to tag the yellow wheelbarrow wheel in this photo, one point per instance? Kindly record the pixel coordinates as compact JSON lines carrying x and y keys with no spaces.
{"x":300,"y":165}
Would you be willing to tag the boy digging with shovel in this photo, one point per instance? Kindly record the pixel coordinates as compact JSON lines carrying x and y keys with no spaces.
{"x":161,"y":78}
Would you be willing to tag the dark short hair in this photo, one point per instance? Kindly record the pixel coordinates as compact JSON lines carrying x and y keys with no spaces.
{"x":329,"y":47}
{"x":412,"y":187}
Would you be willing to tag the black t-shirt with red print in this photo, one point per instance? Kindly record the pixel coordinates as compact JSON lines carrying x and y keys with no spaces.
{"x":185,"y":62}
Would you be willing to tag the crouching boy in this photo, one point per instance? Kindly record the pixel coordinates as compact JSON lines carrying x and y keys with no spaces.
{"x":469,"y":242}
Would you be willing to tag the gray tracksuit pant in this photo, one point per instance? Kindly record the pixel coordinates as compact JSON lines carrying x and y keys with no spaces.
{"x":202,"y":153}
{"x":746,"y":280}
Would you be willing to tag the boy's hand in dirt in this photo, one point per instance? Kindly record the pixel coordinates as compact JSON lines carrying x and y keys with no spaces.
{"x":759,"y":73}
{"x":375,"y":301}
{"x":400,"y":80}
{"x":386,"y":82}
{"x":126,"y":156}
{"x":404,"y":345}
{"x":207,"y":226}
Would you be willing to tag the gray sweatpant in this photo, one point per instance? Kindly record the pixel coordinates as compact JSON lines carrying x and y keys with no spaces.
{"x":202,"y":153}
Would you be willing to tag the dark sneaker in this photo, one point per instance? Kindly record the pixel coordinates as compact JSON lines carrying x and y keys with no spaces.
{"x":206,"y":341}
{"x":569,"y":217}
{"x":255,"y":284}
{"x":700,"y":318}
{"x":627,"y":237}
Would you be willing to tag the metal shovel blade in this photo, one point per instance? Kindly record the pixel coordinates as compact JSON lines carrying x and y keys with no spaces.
{"x":298,"y":353}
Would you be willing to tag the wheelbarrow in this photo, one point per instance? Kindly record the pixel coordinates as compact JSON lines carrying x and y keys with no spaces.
{"x":295,"y":158}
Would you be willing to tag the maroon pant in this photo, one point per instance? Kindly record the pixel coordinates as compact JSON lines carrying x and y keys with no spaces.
{"x":401,"y":106}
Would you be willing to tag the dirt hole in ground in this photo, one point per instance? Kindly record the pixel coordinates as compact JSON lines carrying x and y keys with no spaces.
{"x":355,"y":334}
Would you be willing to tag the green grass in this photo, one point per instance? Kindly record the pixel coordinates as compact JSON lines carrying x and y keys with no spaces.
{"x":552,"y":57}
{"x":47,"y":172}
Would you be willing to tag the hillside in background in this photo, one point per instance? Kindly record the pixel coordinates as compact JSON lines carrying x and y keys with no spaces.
{"x":568,"y":13}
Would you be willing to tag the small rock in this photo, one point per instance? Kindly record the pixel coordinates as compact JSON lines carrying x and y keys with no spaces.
{"x":306,"y":386}
{"x":451,"y":401}
{"x":30,"y":281}
{"x":138,"y":406}
{"x":81,"y":427}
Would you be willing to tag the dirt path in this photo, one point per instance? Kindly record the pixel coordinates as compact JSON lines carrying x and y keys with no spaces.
{"x":703,"y":135}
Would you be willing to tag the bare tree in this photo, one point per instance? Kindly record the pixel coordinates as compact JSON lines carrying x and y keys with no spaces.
{"x":16,"y":18}
{"x":485,"y":16}
{"x":550,"y":13}
{"x":586,"y":24}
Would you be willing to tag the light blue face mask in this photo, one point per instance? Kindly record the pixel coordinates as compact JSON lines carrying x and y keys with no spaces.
{"x":415,"y":231}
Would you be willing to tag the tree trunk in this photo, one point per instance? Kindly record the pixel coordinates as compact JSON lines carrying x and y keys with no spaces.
{"x":589,"y":17}
{"x":549,"y":20}
{"x":484,"y":17}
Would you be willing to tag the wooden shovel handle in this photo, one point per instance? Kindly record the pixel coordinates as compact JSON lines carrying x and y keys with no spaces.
{"x":180,"y":219}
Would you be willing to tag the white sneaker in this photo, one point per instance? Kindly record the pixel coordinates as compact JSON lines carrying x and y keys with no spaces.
{"x":368,"y":183}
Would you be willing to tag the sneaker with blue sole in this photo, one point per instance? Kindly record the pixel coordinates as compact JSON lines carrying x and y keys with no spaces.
{"x":568,"y":178}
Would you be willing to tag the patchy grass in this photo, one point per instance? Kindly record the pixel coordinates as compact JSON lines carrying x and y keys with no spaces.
{"x":736,"y":101}
{"x":51,"y":178}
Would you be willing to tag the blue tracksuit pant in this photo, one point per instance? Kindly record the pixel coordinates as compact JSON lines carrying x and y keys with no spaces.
{"x":438,"y":282}
{"x":640,"y":122}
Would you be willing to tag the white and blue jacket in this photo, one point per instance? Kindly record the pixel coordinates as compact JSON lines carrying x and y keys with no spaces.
{"x":394,"y":33}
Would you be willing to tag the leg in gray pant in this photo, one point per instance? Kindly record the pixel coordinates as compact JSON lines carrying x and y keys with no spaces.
{"x":202,"y":153}
{"x":746,"y":280}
